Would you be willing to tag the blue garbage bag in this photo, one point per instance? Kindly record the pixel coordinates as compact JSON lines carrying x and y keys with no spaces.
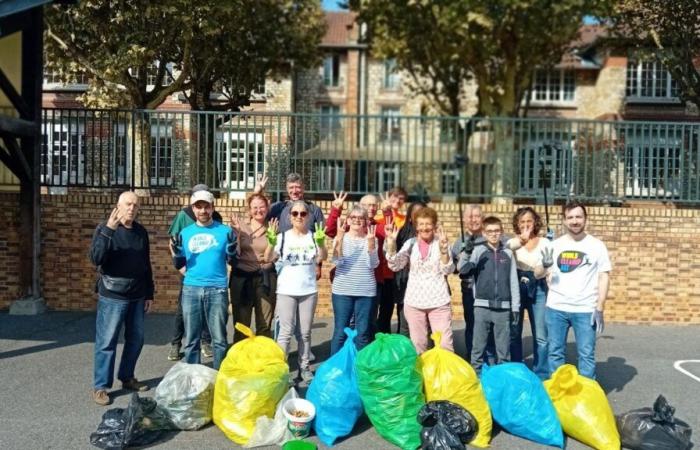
{"x":335,"y":394}
{"x":520,"y":404}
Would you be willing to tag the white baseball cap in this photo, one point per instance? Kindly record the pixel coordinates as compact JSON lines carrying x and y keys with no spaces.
{"x":200,"y":196}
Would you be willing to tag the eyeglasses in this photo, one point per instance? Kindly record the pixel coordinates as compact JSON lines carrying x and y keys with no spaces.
{"x":493,"y":231}
{"x":299,"y":213}
{"x":356,"y":218}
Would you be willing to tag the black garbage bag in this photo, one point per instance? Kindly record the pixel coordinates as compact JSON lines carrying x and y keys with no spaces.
{"x":446,"y":426}
{"x":141,"y":423}
{"x":654,"y":428}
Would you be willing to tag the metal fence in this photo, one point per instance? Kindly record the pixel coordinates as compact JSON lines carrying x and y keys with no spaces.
{"x":592,"y":160}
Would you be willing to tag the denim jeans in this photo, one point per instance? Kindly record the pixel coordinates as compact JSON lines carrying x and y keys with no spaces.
{"x":535,"y":308}
{"x":180,"y":325}
{"x":111,"y":315}
{"x":213,"y":302}
{"x":558,"y":324}
{"x":344,"y":307}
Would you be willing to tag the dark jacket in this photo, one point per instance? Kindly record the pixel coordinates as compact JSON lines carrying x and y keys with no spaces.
{"x":495,"y":277}
{"x":124,"y":255}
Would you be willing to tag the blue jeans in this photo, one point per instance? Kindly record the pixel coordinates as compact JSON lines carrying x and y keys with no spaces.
{"x":533,"y":301}
{"x":211,"y":302}
{"x":111,"y":314}
{"x":558,"y":324}
{"x":344,"y":307}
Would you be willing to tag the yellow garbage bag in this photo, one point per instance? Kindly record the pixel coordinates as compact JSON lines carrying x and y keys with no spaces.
{"x":446,"y":376}
{"x":583,"y":408}
{"x":252,"y":379}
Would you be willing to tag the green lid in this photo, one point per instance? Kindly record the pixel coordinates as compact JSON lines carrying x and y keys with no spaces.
{"x":299,"y":445}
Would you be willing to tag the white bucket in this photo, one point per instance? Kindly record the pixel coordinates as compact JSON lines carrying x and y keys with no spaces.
{"x":300,"y":424}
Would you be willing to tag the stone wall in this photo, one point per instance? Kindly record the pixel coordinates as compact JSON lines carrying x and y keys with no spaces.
{"x":655,"y":277}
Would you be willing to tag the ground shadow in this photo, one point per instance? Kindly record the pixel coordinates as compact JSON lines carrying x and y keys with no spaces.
{"x":614,"y":374}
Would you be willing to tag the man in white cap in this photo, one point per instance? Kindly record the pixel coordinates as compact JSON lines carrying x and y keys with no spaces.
{"x":184,"y":218}
{"x":204,"y":248}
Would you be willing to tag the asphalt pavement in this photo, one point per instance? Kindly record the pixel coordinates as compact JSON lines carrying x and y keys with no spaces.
{"x":46,"y":366}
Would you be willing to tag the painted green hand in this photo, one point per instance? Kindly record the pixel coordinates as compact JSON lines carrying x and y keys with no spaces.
{"x":271,"y":236}
{"x":320,"y":235}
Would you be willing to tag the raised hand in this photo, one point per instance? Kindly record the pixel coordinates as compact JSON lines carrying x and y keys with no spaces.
{"x":391,"y":231}
{"x":547,"y":258}
{"x":271,"y":232}
{"x":384,"y":204}
{"x":261,"y":183}
{"x":320,"y":235}
{"x":525,"y":233}
{"x":341,"y":227}
{"x":114,"y":219}
{"x":236,"y":222}
{"x":339,"y":199}
{"x":388,"y":226}
{"x":176,"y":245}
{"x":442,"y":239}
{"x":468,"y":245}
{"x":371,"y":236}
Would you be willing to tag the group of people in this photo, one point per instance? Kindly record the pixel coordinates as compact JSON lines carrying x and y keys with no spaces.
{"x":385,"y":261}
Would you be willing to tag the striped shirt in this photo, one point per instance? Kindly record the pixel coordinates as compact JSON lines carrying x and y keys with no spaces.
{"x":354,"y":270}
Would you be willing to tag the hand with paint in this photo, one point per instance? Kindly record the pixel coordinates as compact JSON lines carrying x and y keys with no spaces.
{"x":271,"y":233}
{"x":320,"y":235}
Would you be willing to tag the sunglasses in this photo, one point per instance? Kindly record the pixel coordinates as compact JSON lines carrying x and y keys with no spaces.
{"x":299,"y":213}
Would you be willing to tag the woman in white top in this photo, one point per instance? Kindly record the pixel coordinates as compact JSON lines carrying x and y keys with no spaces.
{"x":427,"y":299}
{"x":528,"y":247}
{"x":354,"y":285}
{"x":296,"y":253}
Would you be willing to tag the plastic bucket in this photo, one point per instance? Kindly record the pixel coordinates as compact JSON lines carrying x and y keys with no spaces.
{"x":299,"y":413}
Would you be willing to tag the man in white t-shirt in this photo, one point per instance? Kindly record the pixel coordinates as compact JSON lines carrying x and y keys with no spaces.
{"x":578,"y":269}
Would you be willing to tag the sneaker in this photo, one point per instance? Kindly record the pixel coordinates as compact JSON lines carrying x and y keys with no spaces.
{"x":101,"y":397}
{"x":307,"y":375}
{"x":206,"y":349}
{"x":135,"y":385}
{"x":312,"y":357}
{"x":174,"y":354}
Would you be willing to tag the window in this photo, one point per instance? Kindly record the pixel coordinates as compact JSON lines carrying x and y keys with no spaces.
{"x":329,"y":121}
{"x":54,"y":78}
{"x":152,"y":74}
{"x":161,"y":170}
{"x":331,"y":70}
{"x":390,"y":130}
{"x":240,"y":157}
{"x":449,"y":178}
{"x":547,"y":155}
{"x":388,"y":176}
{"x":391,"y":74}
{"x":649,"y":80}
{"x":331,"y":175}
{"x":121,"y":155}
{"x":558,"y":86}
{"x":63,"y":152}
{"x":653,"y":163}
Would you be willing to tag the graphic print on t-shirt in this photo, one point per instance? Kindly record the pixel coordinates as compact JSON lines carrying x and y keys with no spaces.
{"x":301,"y":255}
{"x":570,"y":260}
{"x":202,"y":242}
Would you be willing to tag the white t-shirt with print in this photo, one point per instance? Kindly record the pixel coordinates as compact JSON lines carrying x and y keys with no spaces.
{"x":297,"y":266}
{"x":573,"y":286}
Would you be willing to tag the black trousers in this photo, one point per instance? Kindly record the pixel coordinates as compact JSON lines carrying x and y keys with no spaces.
{"x":389,"y":296}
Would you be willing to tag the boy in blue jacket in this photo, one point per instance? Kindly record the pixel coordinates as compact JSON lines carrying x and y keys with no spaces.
{"x":496,"y":292}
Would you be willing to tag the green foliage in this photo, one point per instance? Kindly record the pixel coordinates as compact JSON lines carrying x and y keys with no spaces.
{"x":211,"y":45}
{"x":672,"y":29}
{"x":498,"y":43}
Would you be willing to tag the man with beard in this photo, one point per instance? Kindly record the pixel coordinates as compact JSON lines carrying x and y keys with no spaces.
{"x":120,"y":250}
{"x":204,"y":248}
{"x":578,"y":268}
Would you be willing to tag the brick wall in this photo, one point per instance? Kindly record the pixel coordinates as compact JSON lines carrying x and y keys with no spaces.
{"x":655,"y":279}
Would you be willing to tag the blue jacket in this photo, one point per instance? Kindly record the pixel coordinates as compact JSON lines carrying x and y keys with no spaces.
{"x":495,"y":277}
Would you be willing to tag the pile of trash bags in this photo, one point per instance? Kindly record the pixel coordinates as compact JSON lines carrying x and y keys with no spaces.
{"x":434,"y":401}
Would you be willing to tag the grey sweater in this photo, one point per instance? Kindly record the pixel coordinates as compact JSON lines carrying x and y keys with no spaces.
{"x":495,"y":277}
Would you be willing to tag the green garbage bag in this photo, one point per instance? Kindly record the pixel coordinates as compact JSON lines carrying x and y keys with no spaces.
{"x":391,"y":388}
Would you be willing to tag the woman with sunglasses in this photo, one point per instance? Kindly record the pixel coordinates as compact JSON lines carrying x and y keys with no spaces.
{"x":354,"y":285}
{"x":296,"y":253}
{"x":253,"y":280}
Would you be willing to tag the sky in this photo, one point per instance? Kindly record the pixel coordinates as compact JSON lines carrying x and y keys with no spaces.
{"x":330,"y":5}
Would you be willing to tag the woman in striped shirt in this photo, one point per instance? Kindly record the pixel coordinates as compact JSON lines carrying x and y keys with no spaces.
{"x":354,"y":286}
